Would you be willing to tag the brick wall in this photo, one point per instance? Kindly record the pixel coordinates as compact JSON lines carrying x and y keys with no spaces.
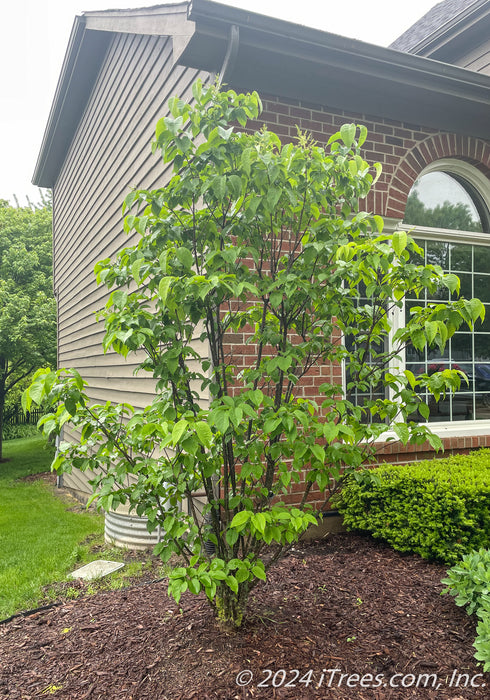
{"x":404,"y":150}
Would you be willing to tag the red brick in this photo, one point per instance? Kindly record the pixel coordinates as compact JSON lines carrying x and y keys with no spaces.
{"x":403,"y":133}
{"x":300,"y":112}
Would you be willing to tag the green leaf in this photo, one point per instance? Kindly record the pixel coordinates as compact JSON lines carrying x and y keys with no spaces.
{"x":242,"y":574}
{"x":220,"y":420}
{"x":451,"y":282}
{"x":402,"y":432}
{"x":246,"y":159}
{"x":379,"y":169}
{"x":225,"y":133}
{"x":129,"y":200}
{"x":348,"y":134}
{"x":431,"y":329}
{"x":417,"y":337}
{"x":272,"y":198}
{"x":330,"y":431}
{"x":399,"y":241}
{"x":163,"y":287}
{"x":162,"y":260}
{"x":135,"y":269}
{"x":353,"y":169}
{"x":435,"y":441}
{"x":34,"y":393}
{"x":194,"y":585}
{"x":284,"y":363}
{"x":241,"y":519}
{"x":219,"y":187}
{"x":197,"y":90}
{"x":119,"y":298}
{"x":259,"y":522}
{"x":232,"y":536}
{"x":362,"y":135}
{"x":204,"y":433}
{"x":259,"y":573}
{"x":318,"y":452}
{"x":232,"y":583}
{"x":379,"y":223}
{"x":184,"y":255}
{"x":178,"y":430}
{"x":411,"y":377}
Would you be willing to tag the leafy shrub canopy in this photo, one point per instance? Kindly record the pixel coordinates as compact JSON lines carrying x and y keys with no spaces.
{"x":438,"y":508}
{"x":266,"y":242}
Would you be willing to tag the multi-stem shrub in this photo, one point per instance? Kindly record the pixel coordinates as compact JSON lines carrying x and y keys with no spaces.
{"x":265,"y":241}
{"x":438,"y":508}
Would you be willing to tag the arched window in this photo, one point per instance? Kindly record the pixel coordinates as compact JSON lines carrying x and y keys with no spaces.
{"x":448,"y":212}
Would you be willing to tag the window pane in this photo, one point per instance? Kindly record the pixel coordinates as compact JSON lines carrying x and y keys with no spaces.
{"x":438,"y":254}
{"x":441,"y":200}
{"x":482,"y":347}
{"x":485,"y":326}
{"x":462,"y":406}
{"x":482,"y":287}
{"x":461,"y":347}
{"x":482,"y":406}
{"x":482,"y":258}
{"x":466,"y":288}
{"x":461,"y":257}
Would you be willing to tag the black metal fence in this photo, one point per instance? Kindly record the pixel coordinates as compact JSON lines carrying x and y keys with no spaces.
{"x":16,"y":416}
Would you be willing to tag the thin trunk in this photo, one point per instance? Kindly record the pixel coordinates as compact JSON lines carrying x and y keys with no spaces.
{"x":3,"y":372}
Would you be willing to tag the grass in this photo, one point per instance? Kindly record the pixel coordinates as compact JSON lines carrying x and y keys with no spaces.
{"x":39,"y":537}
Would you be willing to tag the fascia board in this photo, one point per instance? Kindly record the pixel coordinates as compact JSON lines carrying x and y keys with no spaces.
{"x":279,"y":36}
{"x":286,"y":59}
{"x":90,"y":37}
{"x":81,"y":65}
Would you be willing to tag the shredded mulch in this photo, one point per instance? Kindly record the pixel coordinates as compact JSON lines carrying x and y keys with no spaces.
{"x":346,"y":603}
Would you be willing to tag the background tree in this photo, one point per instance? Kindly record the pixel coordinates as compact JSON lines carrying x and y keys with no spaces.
{"x":27,"y":305}
{"x":447,"y":215}
{"x":249,"y":237}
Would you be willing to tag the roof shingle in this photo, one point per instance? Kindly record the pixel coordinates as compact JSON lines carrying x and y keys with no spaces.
{"x":437,"y":16}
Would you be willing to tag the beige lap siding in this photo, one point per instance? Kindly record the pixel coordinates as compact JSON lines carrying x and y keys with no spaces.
{"x":109,"y":155}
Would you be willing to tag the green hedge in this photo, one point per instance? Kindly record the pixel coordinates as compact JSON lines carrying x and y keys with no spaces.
{"x":438,"y":508}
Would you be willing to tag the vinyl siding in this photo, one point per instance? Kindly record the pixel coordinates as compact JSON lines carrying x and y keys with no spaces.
{"x":109,"y":155}
{"x":478,"y":59}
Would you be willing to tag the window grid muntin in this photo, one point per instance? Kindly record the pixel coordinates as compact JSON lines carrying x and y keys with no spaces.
{"x":471,"y":402}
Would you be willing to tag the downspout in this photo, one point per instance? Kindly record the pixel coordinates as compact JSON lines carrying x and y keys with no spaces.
{"x":59,"y":438}
{"x":59,"y":476}
{"x":230,"y":55}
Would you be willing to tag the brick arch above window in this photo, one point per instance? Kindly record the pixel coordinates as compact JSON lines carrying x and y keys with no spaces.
{"x":420,"y":157}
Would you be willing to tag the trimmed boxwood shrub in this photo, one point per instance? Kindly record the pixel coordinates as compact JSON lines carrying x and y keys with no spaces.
{"x":438,"y":508}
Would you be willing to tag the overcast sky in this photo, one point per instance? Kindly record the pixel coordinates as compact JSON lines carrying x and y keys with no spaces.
{"x":34,"y":35}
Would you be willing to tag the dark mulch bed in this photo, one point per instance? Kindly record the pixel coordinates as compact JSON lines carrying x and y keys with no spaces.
{"x":345,"y":603}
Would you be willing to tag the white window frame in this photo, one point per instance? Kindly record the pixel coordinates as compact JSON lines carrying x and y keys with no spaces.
{"x":474,"y":177}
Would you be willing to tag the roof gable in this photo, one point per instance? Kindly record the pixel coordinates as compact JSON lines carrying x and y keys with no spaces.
{"x":271,"y":56}
{"x":445,"y":20}
{"x":90,"y":38}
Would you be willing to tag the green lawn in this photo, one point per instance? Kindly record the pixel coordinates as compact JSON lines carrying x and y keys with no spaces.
{"x":39,"y":537}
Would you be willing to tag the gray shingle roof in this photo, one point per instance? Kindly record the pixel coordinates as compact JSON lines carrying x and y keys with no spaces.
{"x":439,"y":15}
